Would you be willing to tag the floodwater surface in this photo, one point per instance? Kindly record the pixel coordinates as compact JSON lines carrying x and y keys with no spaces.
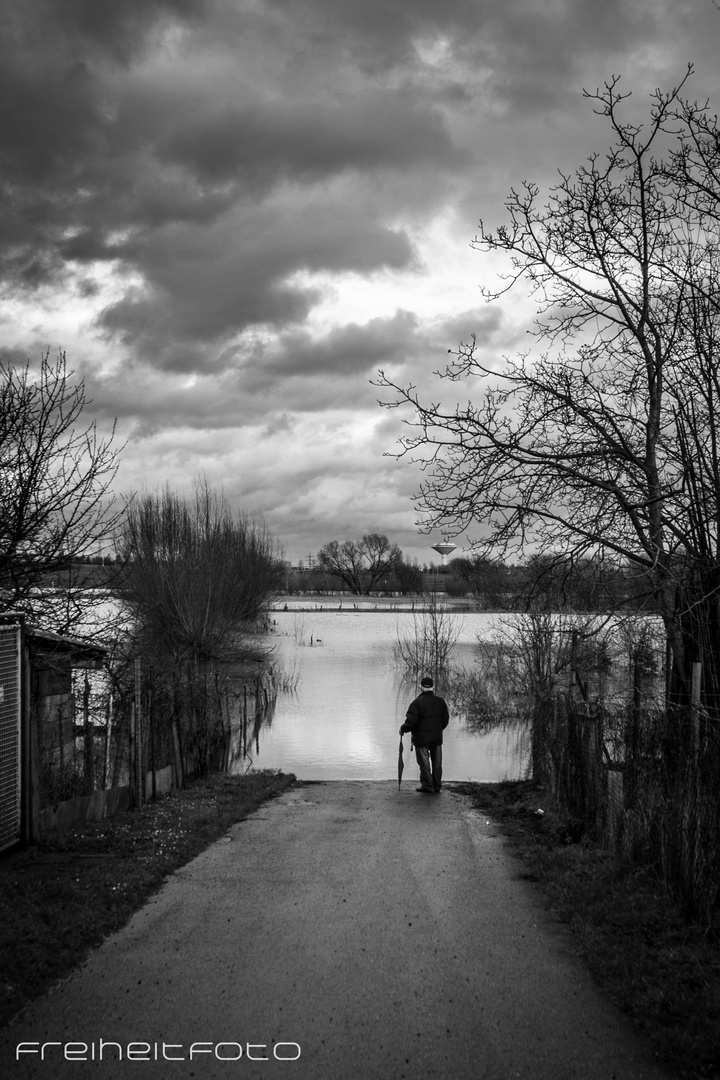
{"x":342,"y":720}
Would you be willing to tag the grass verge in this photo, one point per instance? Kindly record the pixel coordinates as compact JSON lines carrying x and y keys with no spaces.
{"x":660,"y":970}
{"x":61,"y":898}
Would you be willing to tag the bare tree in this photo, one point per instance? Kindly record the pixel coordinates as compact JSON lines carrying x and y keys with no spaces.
{"x":478,"y":575}
{"x":197,"y":573}
{"x":426,"y":648}
{"x":55,"y":499}
{"x":408,"y":577}
{"x":606,"y":443}
{"x":361,"y":564}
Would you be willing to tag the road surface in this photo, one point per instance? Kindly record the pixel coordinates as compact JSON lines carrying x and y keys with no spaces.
{"x":345,"y":931}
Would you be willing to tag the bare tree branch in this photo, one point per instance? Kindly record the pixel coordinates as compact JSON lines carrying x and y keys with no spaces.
{"x":55,"y":489}
{"x":607,"y":441}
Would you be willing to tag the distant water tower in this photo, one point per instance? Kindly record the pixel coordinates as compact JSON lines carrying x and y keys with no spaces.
{"x":444,"y":549}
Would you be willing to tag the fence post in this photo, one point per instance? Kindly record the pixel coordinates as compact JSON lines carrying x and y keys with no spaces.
{"x":573,"y":665}
{"x":108,"y":736}
{"x":151,"y":739}
{"x":177,"y":752}
{"x":693,"y":841}
{"x":175,"y":741}
{"x":695,"y":709}
{"x":139,"y":778}
{"x":539,"y":735}
{"x":61,"y":745}
{"x":89,"y":762}
{"x":633,"y":737}
{"x":133,"y":749}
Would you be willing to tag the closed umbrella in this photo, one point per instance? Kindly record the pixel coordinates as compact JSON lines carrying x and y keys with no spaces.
{"x":401,"y":764}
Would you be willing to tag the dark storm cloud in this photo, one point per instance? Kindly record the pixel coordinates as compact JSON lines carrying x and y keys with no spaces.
{"x":119,"y":27}
{"x":345,"y":349}
{"x":525,"y":51}
{"x":204,"y":285}
{"x":18,"y":358}
{"x":314,"y":374}
{"x":192,"y":190}
{"x":329,"y":375}
{"x":266,"y":142}
{"x":538,"y":51}
{"x":485,"y":324}
{"x":382,"y":33}
{"x":168,"y":173}
{"x":211,"y":150}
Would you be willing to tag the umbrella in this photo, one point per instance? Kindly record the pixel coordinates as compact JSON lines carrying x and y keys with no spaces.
{"x":401,"y":764}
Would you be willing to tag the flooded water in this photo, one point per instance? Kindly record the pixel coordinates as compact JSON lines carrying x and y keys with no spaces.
{"x":342,"y":721}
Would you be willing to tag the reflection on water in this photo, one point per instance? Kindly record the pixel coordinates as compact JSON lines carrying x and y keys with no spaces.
{"x":342,"y":721}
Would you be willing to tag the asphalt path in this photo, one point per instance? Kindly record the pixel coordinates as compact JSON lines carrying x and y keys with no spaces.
{"x":345,"y":931}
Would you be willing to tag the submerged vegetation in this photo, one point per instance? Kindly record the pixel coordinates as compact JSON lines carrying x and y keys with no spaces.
{"x":427,"y":647}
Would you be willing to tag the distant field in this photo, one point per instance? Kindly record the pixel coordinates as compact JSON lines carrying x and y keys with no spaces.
{"x":336,"y":601}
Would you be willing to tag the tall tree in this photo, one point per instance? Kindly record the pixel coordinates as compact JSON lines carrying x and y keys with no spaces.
{"x":479,"y":575}
{"x":56,"y":503}
{"x":408,"y":577}
{"x":196,"y":572}
{"x":604,"y":443}
{"x":360,"y":564}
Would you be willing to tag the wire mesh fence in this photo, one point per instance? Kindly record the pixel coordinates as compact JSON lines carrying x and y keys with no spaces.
{"x":10,"y":742}
{"x":125,"y":729}
{"x":644,"y":778}
{"x":82,"y":741}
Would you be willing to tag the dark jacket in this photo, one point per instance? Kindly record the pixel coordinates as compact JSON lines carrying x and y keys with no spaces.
{"x":427,"y":718}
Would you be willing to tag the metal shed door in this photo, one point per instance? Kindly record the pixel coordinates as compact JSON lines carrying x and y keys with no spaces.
{"x":10,"y":716}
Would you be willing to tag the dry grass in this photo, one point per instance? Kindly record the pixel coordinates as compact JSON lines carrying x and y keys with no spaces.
{"x":60,"y":899}
{"x":661,"y":971}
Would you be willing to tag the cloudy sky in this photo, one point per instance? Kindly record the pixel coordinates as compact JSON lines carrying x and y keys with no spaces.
{"x":231,"y":213}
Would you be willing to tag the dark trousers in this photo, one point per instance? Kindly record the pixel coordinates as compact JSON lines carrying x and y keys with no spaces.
{"x":429,"y":759}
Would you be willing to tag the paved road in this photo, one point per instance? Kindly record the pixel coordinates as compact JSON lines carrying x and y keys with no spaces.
{"x":375,"y":934}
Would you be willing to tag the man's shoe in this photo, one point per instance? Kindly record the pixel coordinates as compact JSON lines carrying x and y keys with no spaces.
{"x":425,"y":790}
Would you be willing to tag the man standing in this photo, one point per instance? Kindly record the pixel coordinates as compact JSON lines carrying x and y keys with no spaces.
{"x":427,"y":718}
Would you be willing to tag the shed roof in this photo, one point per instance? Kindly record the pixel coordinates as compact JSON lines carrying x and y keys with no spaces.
{"x":82,"y":654}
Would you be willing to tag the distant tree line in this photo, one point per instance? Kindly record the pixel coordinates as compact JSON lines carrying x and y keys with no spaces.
{"x":554,"y":581}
